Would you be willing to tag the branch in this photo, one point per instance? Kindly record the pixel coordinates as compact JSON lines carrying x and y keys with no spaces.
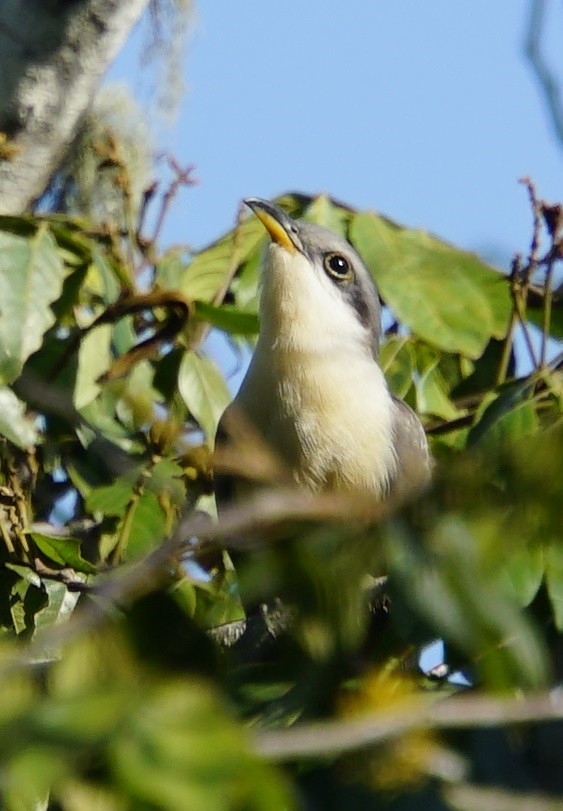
{"x":548,"y":84}
{"x":332,"y":738}
{"x":54,"y":56}
{"x":131,"y":582}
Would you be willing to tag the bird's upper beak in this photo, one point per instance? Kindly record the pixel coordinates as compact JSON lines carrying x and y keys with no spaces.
{"x":277,"y":223}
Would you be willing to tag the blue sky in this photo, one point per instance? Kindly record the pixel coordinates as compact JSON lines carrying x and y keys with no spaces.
{"x":424,"y":111}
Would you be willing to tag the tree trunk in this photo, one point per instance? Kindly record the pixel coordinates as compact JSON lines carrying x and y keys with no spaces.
{"x":53,"y":54}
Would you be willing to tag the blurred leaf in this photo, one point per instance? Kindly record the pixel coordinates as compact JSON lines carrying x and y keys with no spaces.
{"x":182,"y":751}
{"x":169,"y":269}
{"x":204,"y":391}
{"x":470,"y":612}
{"x":109,"y":283}
{"x":31,"y":278}
{"x":245,"y":285}
{"x":29,"y":776}
{"x":83,"y":719}
{"x":525,"y":569}
{"x":554,"y":581}
{"x":323,"y":212}
{"x":138,"y":397}
{"x":535,"y":314}
{"x":448,"y":297}
{"x":15,"y":425}
{"x":508,"y":414}
{"x":230,"y":319}
{"x":483,"y":374}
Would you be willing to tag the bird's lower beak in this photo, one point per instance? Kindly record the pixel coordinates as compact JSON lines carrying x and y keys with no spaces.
{"x":277,"y":223}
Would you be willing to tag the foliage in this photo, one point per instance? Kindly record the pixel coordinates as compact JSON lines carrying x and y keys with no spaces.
{"x":118,"y":690}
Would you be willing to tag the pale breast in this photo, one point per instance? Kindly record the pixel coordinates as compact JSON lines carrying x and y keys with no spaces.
{"x":330,"y":419}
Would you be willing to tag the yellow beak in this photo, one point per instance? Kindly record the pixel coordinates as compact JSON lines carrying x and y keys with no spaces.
{"x":277,"y":223}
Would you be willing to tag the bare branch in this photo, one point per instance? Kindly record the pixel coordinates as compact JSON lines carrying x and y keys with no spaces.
{"x":548,"y":84}
{"x":471,"y":797}
{"x":330,"y":738}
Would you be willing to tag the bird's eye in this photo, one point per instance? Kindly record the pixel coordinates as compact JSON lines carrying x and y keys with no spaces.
{"x":338,"y":267}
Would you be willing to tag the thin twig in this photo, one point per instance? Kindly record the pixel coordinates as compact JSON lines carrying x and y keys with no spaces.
{"x":506,"y":349}
{"x":516,"y":289}
{"x":548,"y":299}
{"x":439,"y":428}
{"x":67,"y":576}
{"x":535,"y":205}
{"x":182,"y":177}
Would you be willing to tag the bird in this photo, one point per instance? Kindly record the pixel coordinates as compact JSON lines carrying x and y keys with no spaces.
{"x":314,"y":391}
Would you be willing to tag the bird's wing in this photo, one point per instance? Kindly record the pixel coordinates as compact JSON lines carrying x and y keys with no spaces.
{"x":223,"y":482}
{"x":414,"y":462}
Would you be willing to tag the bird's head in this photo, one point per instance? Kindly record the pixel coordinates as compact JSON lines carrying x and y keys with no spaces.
{"x":316,"y":290}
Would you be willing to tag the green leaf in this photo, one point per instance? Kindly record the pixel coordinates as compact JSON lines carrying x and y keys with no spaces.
{"x":25,"y":573}
{"x":510,"y":414}
{"x":322,"y":211}
{"x":228,"y":318}
{"x":60,"y":604}
{"x":554,"y":581}
{"x":181,"y":750}
{"x":31,"y":279}
{"x":524,"y":569}
{"x":431,"y":394}
{"x":218,"y":602}
{"x":461,"y":609}
{"x":94,"y":358}
{"x":25,"y":601}
{"x":207,"y":272}
{"x":64,"y":551}
{"x":147,"y":526}
{"x":232,"y":260}
{"x":397,"y":360}
{"x":170,"y":268}
{"x":110,"y":287}
{"x":535,"y":314}
{"x":29,"y":777}
{"x":112,"y":499}
{"x":15,"y":425}
{"x":449,"y":297}
{"x":204,"y":391}
{"x":245,"y":285}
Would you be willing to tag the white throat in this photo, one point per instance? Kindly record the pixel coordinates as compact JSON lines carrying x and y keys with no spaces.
{"x":314,"y":389}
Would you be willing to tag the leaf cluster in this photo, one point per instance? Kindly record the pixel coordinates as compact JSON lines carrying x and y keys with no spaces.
{"x":117,"y":597}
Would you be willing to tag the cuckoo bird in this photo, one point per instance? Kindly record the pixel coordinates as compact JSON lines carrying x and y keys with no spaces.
{"x":314,"y":391}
